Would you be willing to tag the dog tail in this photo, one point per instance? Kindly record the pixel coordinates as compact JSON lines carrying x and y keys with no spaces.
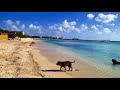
{"x":73,"y":62}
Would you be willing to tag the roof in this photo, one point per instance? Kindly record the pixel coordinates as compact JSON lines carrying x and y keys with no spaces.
{"x":8,"y":32}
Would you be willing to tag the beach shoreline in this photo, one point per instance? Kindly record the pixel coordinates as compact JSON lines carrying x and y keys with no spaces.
{"x":82,"y":68}
{"x":30,"y":58}
{"x":20,"y":59}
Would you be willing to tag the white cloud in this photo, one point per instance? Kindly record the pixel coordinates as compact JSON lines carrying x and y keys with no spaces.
{"x":98,"y":32}
{"x":118,"y":29}
{"x":34,"y":27}
{"x":106,"y":18}
{"x":14,"y":27}
{"x":90,"y":16}
{"x":31,"y":26}
{"x":8,"y":22}
{"x":111,"y":24}
{"x":90,"y":31}
{"x":65,"y":26}
{"x":11,"y":25}
{"x":68,"y":25}
{"x":17,"y":26}
{"x":107,"y":30}
{"x":83,"y":27}
{"x":38,"y":28}
{"x":61,"y":29}
{"x":53,"y":27}
{"x":17,"y":22}
{"x":78,"y":30}
{"x":94,"y":27}
{"x":73,"y":23}
{"x":99,"y":25}
{"x":23,"y":26}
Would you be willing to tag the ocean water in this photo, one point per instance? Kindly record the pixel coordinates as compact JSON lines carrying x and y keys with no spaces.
{"x":93,"y":58}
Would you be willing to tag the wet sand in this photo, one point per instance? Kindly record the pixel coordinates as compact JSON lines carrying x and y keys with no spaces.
{"x":82,"y":68}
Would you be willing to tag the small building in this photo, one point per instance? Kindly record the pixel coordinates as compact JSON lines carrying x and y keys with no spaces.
{"x":7,"y":35}
{"x":3,"y":36}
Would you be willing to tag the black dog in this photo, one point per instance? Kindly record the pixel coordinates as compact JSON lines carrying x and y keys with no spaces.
{"x":115,"y":62}
{"x":64,"y":64}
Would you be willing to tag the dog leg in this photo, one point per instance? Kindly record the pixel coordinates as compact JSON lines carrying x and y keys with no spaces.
{"x":71,"y":68}
{"x":65,"y":68}
{"x":60,"y":68}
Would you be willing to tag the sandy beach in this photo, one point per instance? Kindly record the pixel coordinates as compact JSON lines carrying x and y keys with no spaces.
{"x":20,"y":59}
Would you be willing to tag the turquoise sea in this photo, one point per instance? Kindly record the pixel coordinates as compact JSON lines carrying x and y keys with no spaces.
{"x":94,"y":53}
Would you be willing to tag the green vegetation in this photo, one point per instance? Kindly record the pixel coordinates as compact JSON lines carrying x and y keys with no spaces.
{"x":21,"y":35}
{"x":17,"y":33}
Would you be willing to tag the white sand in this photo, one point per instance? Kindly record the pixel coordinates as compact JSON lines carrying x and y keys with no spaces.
{"x":20,"y":60}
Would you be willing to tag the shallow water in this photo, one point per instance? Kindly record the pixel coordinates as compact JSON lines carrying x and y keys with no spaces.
{"x":93,"y":58}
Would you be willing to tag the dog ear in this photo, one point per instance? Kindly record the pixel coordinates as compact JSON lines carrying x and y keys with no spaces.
{"x":57,"y":61}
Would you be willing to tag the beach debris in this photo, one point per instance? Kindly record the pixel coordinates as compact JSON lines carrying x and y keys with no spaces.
{"x":32,"y":43}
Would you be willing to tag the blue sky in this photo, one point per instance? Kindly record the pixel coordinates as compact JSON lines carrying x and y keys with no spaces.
{"x":82,"y":25}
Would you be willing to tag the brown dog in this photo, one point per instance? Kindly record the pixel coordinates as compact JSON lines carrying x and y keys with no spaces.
{"x":64,"y":64}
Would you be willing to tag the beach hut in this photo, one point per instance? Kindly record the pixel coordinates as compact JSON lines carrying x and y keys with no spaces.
{"x":7,"y":35}
{"x":3,"y":36}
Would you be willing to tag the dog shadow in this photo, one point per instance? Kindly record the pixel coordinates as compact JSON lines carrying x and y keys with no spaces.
{"x":52,"y":70}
